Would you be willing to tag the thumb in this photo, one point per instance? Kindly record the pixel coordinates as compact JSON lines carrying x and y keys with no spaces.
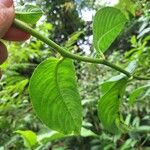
{"x":7,"y":14}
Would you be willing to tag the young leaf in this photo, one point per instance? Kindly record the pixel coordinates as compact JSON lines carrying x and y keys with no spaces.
{"x":109,"y":107}
{"x":54,"y":95}
{"x":30,"y":138}
{"x":107,"y":25}
{"x":28,"y":13}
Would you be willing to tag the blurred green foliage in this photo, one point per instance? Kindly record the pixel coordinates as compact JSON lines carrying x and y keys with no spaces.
{"x":65,"y":26}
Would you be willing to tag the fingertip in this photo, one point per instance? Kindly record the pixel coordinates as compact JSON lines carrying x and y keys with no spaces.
{"x":7,"y":15}
{"x":14,"y":34}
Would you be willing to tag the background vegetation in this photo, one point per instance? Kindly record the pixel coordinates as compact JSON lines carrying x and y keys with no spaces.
{"x":63,"y":21}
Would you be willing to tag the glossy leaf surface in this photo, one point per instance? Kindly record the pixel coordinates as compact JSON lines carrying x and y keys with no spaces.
{"x":54,"y":95}
{"x":107,"y":25}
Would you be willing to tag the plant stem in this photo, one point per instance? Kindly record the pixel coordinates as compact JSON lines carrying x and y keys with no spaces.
{"x":63,"y":52}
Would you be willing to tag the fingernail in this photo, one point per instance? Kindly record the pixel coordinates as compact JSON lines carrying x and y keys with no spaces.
{"x":7,"y":3}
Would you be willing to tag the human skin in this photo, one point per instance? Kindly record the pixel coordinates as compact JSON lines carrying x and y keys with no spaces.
{"x":7,"y":30}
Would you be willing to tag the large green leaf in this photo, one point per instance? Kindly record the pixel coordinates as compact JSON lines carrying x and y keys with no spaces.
{"x":107,"y":25}
{"x":54,"y":95}
{"x":109,"y":107}
{"x":28,"y":13}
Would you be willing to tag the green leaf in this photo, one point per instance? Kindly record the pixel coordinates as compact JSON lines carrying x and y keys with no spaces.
{"x":134,"y":41}
{"x":109,"y":107}
{"x":54,"y":95}
{"x":127,"y":6}
{"x":112,"y":91}
{"x":30,"y":138}
{"x":28,"y":13}
{"x":107,"y":25}
{"x":137,"y":93}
